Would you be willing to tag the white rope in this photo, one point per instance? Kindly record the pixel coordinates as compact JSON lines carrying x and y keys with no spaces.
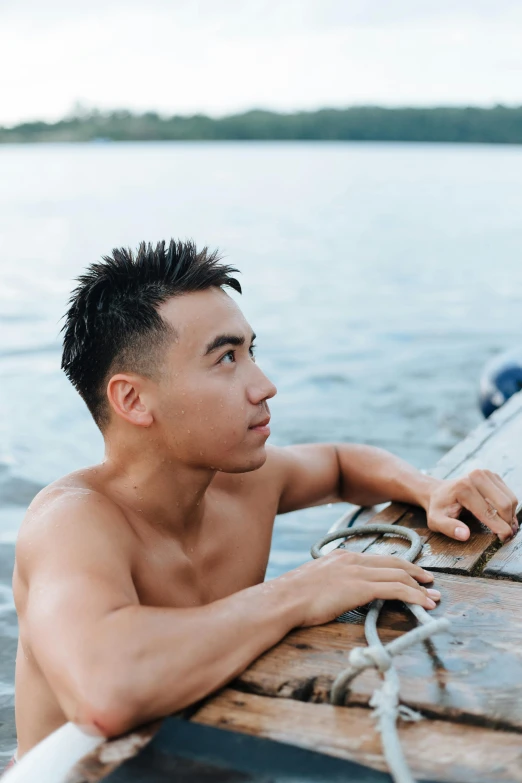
{"x":385,"y":700}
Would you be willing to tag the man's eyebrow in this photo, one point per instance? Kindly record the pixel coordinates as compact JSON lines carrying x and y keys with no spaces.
{"x":226,"y":339}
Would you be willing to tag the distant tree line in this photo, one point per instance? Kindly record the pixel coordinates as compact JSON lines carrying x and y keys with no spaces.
{"x":496,"y":125}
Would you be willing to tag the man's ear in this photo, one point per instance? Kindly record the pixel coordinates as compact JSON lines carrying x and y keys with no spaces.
{"x":127,"y":398}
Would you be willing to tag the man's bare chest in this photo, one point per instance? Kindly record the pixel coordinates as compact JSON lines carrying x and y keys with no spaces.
{"x":229,"y":554}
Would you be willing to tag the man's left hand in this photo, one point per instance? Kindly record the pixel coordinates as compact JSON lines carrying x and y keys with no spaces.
{"x":483,"y":493}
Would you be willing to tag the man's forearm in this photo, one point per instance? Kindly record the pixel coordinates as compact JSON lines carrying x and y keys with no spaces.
{"x":370,"y":475}
{"x":152,"y":661}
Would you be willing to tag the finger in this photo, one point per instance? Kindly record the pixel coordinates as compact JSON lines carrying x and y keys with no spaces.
{"x":390,"y":561}
{"x":514,"y":500}
{"x":499,"y":481}
{"x":449,"y":526}
{"x":395,"y":575}
{"x":397,"y":591}
{"x":469,"y":497}
{"x":368,"y":574}
{"x":494,"y":495}
{"x":493,"y":512}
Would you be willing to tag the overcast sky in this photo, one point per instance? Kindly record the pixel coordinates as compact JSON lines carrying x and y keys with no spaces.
{"x":220,"y":56}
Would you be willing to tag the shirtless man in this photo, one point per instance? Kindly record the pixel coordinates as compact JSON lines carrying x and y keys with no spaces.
{"x":139,"y":582}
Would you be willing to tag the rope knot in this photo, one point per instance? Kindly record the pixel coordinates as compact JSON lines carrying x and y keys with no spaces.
{"x":408,"y":715}
{"x":362,"y":657}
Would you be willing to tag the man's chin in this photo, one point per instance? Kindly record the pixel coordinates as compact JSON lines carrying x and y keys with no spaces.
{"x":247,"y":465}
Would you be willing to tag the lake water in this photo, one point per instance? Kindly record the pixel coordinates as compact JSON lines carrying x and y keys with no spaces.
{"x":379,"y":279}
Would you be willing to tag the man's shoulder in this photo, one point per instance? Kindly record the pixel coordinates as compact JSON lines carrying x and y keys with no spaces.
{"x":70,"y":512}
{"x":73,"y":492}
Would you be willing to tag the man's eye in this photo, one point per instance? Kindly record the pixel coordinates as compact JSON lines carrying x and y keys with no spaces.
{"x":252,"y":351}
{"x":228,"y":358}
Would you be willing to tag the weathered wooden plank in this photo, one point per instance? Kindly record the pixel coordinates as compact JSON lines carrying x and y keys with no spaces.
{"x":495,"y":445}
{"x":391,"y":515}
{"x":507,"y":562}
{"x":473,"y":673}
{"x":481,"y":444}
{"x":439,"y":553}
{"x":435,"y":749}
{"x":502,"y":453}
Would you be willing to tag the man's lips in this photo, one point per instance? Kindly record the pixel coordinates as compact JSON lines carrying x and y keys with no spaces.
{"x":260,"y":424}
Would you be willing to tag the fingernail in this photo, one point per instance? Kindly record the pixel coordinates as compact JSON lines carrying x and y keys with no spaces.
{"x":434,"y":593}
{"x":427,"y":575}
{"x":461,"y":532}
{"x":430,"y":604}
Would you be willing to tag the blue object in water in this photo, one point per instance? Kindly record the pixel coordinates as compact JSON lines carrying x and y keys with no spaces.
{"x":500,"y":380}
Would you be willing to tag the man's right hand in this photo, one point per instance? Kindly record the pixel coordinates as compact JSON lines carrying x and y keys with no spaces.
{"x":344,"y":580}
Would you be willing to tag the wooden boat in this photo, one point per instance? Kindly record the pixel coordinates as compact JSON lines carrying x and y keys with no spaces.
{"x":467,"y":683}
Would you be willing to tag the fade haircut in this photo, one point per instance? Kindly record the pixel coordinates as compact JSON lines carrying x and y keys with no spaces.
{"x":113,"y":324}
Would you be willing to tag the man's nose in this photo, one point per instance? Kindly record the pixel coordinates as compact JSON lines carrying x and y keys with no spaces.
{"x":261,"y":388}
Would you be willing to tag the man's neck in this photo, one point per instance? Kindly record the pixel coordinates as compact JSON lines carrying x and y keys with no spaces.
{"x":163,"y":492}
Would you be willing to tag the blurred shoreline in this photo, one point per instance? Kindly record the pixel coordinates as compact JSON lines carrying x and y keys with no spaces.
{"x":459,"y":124}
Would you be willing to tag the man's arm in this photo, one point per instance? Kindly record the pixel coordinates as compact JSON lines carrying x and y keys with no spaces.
{"x":114,"y":664}
{"x":314,"y":474}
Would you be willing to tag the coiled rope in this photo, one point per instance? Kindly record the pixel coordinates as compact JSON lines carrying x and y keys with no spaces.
{"x":385,"y":700}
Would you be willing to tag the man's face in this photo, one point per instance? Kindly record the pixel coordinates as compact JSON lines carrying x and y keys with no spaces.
{"x":211,"y":393}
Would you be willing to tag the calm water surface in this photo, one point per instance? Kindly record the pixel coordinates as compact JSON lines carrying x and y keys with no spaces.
{"x":379,"y":278}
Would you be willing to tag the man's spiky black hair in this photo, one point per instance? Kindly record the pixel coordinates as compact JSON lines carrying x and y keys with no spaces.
{"x":113,"y":324}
